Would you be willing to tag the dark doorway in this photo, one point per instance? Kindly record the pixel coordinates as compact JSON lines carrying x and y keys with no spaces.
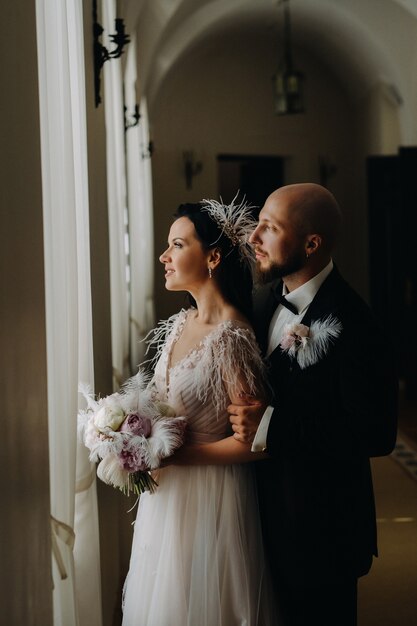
{"x":392,"y":201}
{"x":254,"y":177}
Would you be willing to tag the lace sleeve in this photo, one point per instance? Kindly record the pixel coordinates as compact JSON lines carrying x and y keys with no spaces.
{"x":231,"y":363}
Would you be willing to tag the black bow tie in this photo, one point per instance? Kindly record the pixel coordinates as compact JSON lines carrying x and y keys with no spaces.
{"x":288,"y":305}
{"x":281,"y":299}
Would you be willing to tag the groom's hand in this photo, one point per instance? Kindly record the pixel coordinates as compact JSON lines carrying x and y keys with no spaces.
{"x":245,"y":417}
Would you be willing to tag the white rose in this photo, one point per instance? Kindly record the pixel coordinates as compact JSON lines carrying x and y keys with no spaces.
{"x":109,"y":417}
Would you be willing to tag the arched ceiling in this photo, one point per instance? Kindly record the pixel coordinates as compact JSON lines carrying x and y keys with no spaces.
{"x":366,"y":42}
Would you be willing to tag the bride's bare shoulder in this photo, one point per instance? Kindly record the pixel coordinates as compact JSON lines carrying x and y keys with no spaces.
{"x":235,"y":315}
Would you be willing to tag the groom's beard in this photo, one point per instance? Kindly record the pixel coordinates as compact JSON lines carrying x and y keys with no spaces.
{"x":293,"y":264}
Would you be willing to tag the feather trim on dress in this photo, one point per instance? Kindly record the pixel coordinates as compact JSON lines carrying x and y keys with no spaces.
{"x":230,"y":364}
{"x":226,"y":362}
{"x":164,"y":332}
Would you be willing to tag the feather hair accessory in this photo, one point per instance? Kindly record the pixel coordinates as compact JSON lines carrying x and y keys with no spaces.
{"x":236,"y":221}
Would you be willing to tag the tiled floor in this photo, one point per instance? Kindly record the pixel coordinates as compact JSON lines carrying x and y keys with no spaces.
{"x":405,"y":454}
{"x":388,"y":594}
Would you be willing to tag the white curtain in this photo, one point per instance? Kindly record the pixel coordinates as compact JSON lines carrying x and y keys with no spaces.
{"x":117,"y":202}
{"x":139,"y":186}
{"x":76,"y":584}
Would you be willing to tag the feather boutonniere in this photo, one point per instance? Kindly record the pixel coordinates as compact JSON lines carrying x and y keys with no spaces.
{"x":308,"y":344}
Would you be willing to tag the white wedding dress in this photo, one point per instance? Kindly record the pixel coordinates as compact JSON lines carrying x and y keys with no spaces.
{"x":197,"y":557}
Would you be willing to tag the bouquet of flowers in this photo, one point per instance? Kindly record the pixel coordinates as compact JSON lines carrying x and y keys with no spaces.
{"x":129,"y":432}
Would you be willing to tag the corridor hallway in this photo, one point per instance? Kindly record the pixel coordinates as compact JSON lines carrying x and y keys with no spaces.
{"x":388,"y":595}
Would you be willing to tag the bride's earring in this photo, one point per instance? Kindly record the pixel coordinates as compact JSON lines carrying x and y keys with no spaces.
{"x":210,"y":272}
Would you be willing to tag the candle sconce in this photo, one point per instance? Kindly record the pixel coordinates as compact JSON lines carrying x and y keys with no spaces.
{"x":191,"y":167}
{"x":132,"y":119}
{"x":150,"y":148}
{"x":120,"y":38}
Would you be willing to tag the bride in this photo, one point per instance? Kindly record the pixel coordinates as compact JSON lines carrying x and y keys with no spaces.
{"x":197,"y":555}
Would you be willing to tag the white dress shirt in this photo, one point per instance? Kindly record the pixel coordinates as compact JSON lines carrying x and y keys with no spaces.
{"x":301,"y":298}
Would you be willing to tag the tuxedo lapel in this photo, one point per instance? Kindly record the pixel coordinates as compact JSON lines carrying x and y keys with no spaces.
{"x":324,"y":302}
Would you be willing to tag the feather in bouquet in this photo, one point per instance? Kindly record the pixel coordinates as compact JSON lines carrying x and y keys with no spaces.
{"x":129,"y":433}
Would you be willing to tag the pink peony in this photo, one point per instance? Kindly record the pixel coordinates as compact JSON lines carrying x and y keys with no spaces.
{"x":137,"y":424}
{"x":132,"y":461}
{"x":297,"y":334}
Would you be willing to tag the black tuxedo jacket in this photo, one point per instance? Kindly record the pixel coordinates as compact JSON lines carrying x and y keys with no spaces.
{"x":315,"y":490}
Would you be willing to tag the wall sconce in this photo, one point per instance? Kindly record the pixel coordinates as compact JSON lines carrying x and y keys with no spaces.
{"x":132,"y":119}
{"x":100,"y":52}
{"x":191,"y":167}
{"x":150,"y":148}
{"x":288,"y":83}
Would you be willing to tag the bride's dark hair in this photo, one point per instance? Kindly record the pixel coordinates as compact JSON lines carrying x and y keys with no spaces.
{"x":234,"y":273}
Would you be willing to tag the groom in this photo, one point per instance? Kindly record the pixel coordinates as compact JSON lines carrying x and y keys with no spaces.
{"x":333,"y":406}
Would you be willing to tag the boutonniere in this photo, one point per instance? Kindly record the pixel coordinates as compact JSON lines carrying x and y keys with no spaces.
{"x":308,"y":344}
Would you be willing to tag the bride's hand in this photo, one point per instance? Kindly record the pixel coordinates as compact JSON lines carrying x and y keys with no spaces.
{"x":245,"y":417}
